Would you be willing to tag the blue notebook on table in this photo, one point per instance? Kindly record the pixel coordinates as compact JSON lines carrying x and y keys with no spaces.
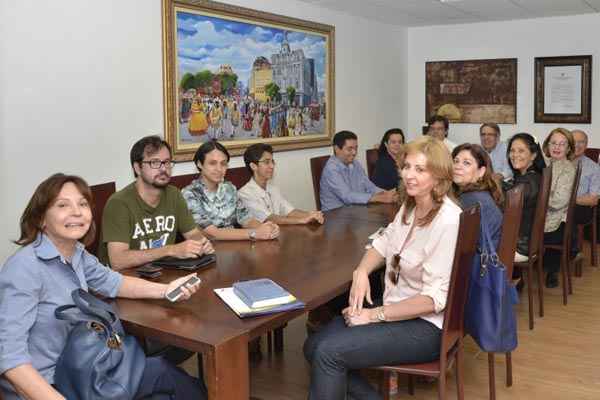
{"x":243,"y":311}
{"x":260,"y":293}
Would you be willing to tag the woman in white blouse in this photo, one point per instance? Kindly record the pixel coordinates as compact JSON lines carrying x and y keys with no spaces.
{"x":418,"y":250}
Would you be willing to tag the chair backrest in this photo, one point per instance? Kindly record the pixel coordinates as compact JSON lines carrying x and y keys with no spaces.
{"x":571,"y":210}
{"x":454,"y":314}
{"x":316,"y":168}
{"x":511,"y":223}
{"x":100,"y":193}
{"x":593,"y":154}
{"x":539,"y":219}
{"x":239,"y":176}
{"x":372,"y":157}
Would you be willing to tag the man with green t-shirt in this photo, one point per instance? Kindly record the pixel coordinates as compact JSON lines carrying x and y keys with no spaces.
{"x":141,"y":221}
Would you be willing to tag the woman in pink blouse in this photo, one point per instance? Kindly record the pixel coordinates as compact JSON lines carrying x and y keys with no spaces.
{"x":418,"y":250}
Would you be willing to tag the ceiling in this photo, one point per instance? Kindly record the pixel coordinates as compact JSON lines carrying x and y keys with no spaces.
{"x":443,"y":12}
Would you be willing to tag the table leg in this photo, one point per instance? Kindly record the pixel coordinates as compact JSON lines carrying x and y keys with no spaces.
{"x":227,"y":371}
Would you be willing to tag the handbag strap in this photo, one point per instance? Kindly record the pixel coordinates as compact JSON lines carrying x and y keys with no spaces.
{"x":96,"y":308}
{"x":63,"y":313}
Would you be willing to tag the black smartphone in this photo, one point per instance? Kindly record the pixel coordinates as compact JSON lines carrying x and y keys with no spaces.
{"x":149,"y":271}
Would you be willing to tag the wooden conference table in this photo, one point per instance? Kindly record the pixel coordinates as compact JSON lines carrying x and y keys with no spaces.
{"x":313,"y":262}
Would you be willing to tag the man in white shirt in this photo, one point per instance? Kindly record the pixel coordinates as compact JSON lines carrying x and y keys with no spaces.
{"x":437,"y":127}
{"x":264,"y":200}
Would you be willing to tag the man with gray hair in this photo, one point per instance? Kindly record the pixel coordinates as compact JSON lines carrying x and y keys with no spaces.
{"x":588,"y":191}
{"x":489,"y":135}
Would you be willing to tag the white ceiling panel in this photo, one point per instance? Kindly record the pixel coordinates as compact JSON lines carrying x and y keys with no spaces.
{"x":492,"y":9}
{"x":435,"y":12}
{"x":555,"y":7}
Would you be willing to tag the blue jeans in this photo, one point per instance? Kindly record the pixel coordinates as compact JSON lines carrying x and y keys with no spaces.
{"x":163,"y":380}
{"x":337,"y":352}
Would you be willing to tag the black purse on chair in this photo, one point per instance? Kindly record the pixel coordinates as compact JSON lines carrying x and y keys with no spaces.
{"x":99,"y":361}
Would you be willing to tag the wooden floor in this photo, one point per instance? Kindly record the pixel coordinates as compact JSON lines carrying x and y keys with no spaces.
{"x":559,"y":359}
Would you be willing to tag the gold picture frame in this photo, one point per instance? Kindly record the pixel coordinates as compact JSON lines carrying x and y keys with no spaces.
{"x":243,"y":76}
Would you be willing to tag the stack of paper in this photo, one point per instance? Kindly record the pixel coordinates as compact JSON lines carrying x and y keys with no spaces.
{"x":258,"y":297}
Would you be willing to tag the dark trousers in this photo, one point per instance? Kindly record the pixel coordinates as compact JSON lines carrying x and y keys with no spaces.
{"x":337,"y":352}
{"x":551,"y":256}
{"x":583,"y":215}
{"x":164,"y":381}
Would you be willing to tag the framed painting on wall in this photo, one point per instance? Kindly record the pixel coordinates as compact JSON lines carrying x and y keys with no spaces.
{"x":472,"y":91}
{"x":563,"y":89}
{"x":242,"y":76}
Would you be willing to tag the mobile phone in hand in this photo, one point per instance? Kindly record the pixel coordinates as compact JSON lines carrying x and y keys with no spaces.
{"x":176,"y":293}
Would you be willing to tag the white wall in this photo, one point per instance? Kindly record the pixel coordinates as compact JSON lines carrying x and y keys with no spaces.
{"x":81,"y":81}
{"x":524,"y":40}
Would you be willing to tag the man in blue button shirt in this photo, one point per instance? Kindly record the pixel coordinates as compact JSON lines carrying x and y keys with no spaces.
{"x":588,"y":191}
{"x":489,"y":134}
{"x":344,"y":180}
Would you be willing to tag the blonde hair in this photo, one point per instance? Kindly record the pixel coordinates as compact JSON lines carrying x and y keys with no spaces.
{"x":439,"y":165}
{"x":568,"y":135}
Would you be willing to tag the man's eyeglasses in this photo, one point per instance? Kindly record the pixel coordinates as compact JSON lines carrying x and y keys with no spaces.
{"x":156,"y":164}
{"x":267,"y":162}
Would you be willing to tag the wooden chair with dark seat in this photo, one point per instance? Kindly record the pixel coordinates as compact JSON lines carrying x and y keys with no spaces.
{"x":565,"y":246}
{"x":316,"y":168}
{"x":593,"y":154}
{"x":372,"y":157}
{"x":100,"y":194}
{"x":513,"y":208}
{"x":535,"y":256}
{"x":451,"y":349}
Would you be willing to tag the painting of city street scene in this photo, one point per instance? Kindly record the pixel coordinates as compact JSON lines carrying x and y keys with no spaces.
{"x":241,"y":76}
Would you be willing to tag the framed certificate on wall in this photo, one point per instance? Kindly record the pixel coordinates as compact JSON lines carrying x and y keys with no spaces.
{"x":563,"y":89}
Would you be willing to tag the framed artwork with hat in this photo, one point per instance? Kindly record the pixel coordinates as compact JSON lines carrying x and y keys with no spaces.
{"x":472,"y":91}
{"x":242,"y":76}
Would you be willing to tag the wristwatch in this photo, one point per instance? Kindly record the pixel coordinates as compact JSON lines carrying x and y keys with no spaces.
{"x":380,"y":315}
{"x":252,"y":234}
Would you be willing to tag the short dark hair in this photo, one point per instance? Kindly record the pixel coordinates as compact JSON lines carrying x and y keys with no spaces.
{"x":439,"y":118}
{"x":207,"y":148}
{"x":386,"y":138}
{"x":538,"y":164}
{"x":339,"y":140}
{"x":254,"y":152}
{"x":147,"y":145}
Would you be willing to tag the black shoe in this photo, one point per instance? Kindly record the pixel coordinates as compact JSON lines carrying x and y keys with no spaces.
{"x":552,"y":280}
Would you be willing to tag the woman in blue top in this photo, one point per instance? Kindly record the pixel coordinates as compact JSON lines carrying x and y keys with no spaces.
{"x":390,"y":160}
{"x":40,"y":276}
{"x":472,"y":177}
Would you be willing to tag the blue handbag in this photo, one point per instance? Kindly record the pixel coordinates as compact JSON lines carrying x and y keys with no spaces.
{"x":99,"y":361}
{"x":489,"y":313}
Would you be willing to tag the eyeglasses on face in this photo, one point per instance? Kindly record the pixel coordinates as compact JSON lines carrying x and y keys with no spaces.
{"x":267,"y":162}
{"x":156,"y":164}
{"x":559,"y":144}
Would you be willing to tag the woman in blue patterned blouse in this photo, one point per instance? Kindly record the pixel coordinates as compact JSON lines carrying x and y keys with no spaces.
{"x":215,"y":203}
